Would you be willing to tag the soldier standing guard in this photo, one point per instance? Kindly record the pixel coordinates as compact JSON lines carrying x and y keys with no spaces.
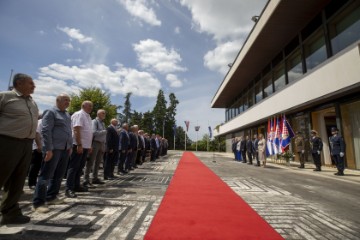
{"x":300,"y":148}
{"x":316,"y":148}
{"x":337,"y":145}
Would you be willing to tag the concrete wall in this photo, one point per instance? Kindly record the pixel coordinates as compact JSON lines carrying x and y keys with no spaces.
{"x":336,"y":74}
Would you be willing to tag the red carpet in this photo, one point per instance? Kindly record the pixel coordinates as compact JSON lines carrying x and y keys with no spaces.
{"x":199,"y":205}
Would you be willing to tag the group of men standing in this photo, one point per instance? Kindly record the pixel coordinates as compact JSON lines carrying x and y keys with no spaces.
{"x":245,"y":149}
{"x":71,"y":146}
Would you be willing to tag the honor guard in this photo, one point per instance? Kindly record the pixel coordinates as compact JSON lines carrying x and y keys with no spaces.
{"x":316,"y":148}
{"x":337,"y":146}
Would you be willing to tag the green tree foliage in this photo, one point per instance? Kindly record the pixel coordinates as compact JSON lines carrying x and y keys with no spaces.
{"x":215,"y":145}
{"x":147,"y":122}
{"x":159,"y":113}
{"x":100,"y":100}
{"x":127,"y":108}
{"x":136,"y":119}
{"x":170,"y":118}
{"x":180,"y":140}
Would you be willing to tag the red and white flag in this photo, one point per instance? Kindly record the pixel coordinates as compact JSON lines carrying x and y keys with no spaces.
{"x":187,"y":124}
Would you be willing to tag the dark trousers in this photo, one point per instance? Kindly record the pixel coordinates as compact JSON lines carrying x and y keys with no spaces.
{"x":139,"y":157}
{"x":51,"y":175}
{"x":35,"y":167}
{"x":250,"y":157}
{"x":301,"y":158}
{"x":15,"y":157}
{"x":122,"y":159}
{"x":76,"y":165}
{"x":243,"y":155}
{"x":339,"y":161}
{"x":128,"y":160}
{"x":153,"y":155}
{"x":109,"y":163}
{"x":317,"y":160}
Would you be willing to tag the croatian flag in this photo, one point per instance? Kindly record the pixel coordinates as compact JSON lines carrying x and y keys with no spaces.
{"x":277,"y":138}
{"x":287,"y":134}
{"x":187,"y":123}
{"x":269,"y":147}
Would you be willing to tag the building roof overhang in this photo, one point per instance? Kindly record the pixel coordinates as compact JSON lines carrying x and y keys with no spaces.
{"x":278,"y":24}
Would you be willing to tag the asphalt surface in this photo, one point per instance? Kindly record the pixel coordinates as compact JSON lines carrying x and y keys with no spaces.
{"x":298,"y":203}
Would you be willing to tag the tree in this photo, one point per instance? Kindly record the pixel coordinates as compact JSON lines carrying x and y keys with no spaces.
{"x":147,"y":122}
{"x":159,"y":112}
{"x":180,"y":140}
{"x":127,"y":108}
{"x":136,"y":118}
{"x":100,"y":100}
{"x":170,"y":118}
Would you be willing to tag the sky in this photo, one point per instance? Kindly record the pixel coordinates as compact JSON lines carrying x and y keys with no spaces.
{"x":139,"y":46}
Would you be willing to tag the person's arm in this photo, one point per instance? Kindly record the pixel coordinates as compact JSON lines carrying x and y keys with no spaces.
{"x":77,"y":134}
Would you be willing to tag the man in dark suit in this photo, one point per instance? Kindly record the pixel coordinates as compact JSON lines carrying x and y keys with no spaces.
{"x":337,"y":144}
{"x":249,"y":149}
{"x":112,"y":149}
{"x":256,"y":149}
{"x":124,"y":149}
{"x":243,"y":149}
{"x":134,"y":147}
{"x":316,"y":148}
{"x":153,"y":147}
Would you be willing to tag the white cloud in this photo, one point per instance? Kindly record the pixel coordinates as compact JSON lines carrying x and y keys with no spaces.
{"x":219,"y":58}
{"x":224,"y":19}
{"x":57,"y":78}
{"x":228,"y":22}
{"x":154,"y":56}
{"x":140,"y":10}
{"x":174,"y":81}
{"x":67,"y":46}
{"x":77,"y":60}
{"x":74,"y":33}
{"x":177,"y":30}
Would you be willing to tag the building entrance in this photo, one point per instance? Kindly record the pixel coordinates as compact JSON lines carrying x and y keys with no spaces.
{"x":322,"y":122}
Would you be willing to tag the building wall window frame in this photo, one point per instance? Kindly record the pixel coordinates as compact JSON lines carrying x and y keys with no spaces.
{"x":333,"y":29}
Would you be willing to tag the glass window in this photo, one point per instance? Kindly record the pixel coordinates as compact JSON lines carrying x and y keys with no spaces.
{"x":251,"y":97}
{"x":227,"y":117}
{"x":294,"y":66}
{"x":279,"y":77}
{"x":268,"y":87}
{"x":315,"y":50}
{"x":258,"y":92}
{"x":241,"y":106}
{"x":345,"y":28}
{"x":245,"y":101}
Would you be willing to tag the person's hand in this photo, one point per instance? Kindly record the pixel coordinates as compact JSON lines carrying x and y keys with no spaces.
{"x":79,"y":149}
{"x":48,"y":156}
{"x":318,"y":152}
{"x":342,"y":154}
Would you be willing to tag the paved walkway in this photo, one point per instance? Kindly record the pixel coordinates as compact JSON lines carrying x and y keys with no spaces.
{"x":123,"y":208}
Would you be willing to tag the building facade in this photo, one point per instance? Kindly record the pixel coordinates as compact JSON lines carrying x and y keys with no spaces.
{"x":301,"y":59}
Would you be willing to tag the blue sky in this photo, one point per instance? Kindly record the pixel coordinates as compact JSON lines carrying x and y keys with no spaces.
{"x":138,"y":46}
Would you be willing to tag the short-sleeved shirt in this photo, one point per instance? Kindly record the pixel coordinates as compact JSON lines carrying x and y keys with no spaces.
{"x":83,"y":120}
{"x":18,"y":115}
{"x":38,"y":130}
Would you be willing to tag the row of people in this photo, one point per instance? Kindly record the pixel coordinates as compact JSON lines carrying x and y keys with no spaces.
{"x":246,"y":149}
{"x":70,"y":146}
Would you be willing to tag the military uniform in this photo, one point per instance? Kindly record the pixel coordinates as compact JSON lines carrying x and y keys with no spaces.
{"x":337,"y":145}
{"x":300,"y":149}
{"x":316,"y":148}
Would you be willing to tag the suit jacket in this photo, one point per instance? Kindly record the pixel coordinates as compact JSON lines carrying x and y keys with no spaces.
{"x":316,"y":144}
{"x":249,"y":146}
{"x":153,"y":144}
{"x":112,"y":139}
{"x":243,"y":145}
{"x":337,"y":145}
{"x":124,"y":140}
{"x":133,"y":141}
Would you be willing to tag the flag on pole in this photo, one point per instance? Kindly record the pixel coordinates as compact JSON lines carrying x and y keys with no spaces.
{"x":187,"y":124}
{"x":287,"y":134}
{"x":269,"y":150}
{"x":277,"y":137}
{"x":210,"y":132}
{"x":174,"y":129}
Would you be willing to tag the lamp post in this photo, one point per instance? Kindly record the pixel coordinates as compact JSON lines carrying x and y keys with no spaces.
{"x":197,"y":130}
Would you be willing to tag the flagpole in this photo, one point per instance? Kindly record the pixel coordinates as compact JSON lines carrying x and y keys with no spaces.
{"x":174,"y":142}
{"x":185,"y":141}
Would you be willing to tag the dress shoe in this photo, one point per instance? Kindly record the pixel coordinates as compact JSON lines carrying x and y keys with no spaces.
{"x":41,"y":209}
{"x":18,"y":219}
{"x":81,"y":189}
{"x":97,"y":181}
{"x":70,"y":194}
{"x":339,"y":174}
{"x":88,"y":184}
{"x":55,"y":201}
{"x":317,"y":170}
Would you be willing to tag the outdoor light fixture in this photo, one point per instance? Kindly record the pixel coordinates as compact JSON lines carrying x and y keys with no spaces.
{"x":255,"y":18}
